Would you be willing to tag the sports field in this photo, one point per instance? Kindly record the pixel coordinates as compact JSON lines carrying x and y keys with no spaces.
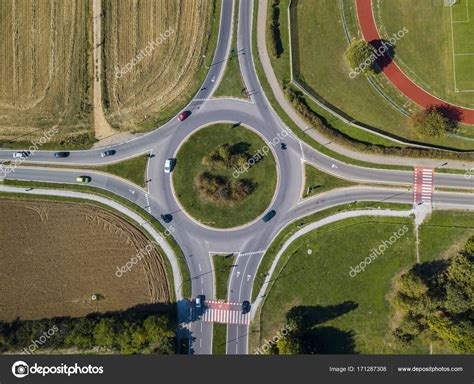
{"x":438,"y":51}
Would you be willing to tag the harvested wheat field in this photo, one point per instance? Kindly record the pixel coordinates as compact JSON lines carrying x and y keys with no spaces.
{"x":153,"y":58}
{"x":44,"y":76}
{"x":55,"y":255}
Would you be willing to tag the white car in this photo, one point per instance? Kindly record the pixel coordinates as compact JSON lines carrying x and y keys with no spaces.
{"x":168,"y":165}
{"x":21,"y":155}
{"x":198,"y":302}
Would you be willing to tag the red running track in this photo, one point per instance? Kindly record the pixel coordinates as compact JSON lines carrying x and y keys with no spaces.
{"x":393,"y":72}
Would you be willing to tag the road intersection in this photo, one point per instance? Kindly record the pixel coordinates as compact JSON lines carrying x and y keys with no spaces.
{"x":250,"y":241}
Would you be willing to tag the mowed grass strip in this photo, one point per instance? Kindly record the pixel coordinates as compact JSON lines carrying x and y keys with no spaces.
{"x":219,"y":339}
{"x":360,"y":313}
{"x":317,"y":181}
{"x":190,"y":164}
{"x":232,"y":83}
{"x":223,"y":265}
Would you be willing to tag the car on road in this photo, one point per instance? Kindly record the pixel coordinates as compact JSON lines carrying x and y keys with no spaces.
{"x":269,"y":216}
{"x":107,"y":153}
{"x":246,"y":306}
{"x":21,"y":154}
{"x":58,"y":155}
{"x":83,"y":179}
{"x":167,"y":218}
{"x":184,"y":115}
{"x":169,"y":165}
{"x":199,"y":301}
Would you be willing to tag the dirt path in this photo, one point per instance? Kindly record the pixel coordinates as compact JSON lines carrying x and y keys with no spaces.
{"x":101,"y":126}
{"x":393,"y":72}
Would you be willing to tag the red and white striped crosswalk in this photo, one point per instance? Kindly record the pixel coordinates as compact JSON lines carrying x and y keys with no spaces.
{"x":221,"y":312}
{"x":423,"y":185}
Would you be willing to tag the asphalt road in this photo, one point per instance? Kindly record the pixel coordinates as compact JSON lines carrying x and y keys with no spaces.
{"x":251,"y":240}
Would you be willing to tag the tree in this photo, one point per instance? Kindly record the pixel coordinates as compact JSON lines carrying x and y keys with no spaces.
{"x":359,"y":56}
{"x":431,"y":122}
{"x":438,"y":300}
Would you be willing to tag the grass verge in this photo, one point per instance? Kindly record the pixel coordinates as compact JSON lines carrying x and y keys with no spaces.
{"x":317,"y":182}
{"x":232,"y":83}
{"x":223,"y":265}
{"x":219,"y":339}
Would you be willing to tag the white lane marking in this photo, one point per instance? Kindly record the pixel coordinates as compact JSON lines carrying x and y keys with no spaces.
{"x":302,"y":150}
{"x":199,"y":265}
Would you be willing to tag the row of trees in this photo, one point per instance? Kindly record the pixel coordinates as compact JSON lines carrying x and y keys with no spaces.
{"x":421,"y":123}
{"x":436,"y":300}
{"x":275,"y":44}
{"x":127,"y":333}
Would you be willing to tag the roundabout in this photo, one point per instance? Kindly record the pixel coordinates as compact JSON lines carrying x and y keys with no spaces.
{"x":225,"y":175}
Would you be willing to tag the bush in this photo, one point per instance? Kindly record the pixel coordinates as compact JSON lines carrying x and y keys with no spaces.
{"x":273,"y":30}
{"x":222,"y":190}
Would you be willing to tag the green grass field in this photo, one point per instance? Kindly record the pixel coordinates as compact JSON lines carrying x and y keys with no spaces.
{"x":362,"y":323}
{"x":232,"y":84}
{"x":317,"y":182}
{"x":190,"y":164}
{"x":132,"y":169}
{"x":223,"y":265}
{"x":444,"y":35}
{"x":219,"y":337}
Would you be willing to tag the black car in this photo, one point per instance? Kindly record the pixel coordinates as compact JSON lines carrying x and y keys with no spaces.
{"x":269,"y":216}
{"x":246,"y":306}
{"x":58,"y":155}
{"x":110,"y":152}
{"x":167,"y":218}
